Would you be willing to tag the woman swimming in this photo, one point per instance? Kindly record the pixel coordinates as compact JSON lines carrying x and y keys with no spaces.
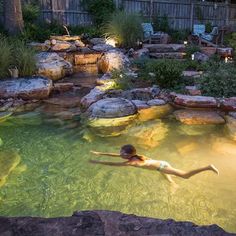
{"x":128,"y":152}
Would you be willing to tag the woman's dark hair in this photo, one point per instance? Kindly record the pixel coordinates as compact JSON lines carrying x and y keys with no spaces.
{"x":129,"y":149}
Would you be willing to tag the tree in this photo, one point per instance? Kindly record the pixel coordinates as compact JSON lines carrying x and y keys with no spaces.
{"x":13,"y":19}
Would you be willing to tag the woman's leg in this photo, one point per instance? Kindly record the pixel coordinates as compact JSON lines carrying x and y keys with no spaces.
{"x":187,"y":174}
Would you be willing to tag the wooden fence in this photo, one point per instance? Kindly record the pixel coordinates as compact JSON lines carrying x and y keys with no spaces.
{"x":181,"y":14}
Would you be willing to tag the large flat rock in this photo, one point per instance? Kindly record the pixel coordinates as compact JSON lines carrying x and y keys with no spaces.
{"x":26,"y":88}
{"x":162,"y":48}
{"x":197,"y":117}
{"x":229,"y":104}
{"x":91,"y":223}
{"x":195,"y":101}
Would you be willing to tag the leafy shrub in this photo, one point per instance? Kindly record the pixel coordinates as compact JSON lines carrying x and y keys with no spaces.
{"x":125,"y":28}
{"x":100,"y":10}
{"x":121,"y":80}
{"x":24,"y":59}
{"x":162,"y":24}
{"x":5,"y":57}
{"x":219,"y":81}
{"x":166,"y":73}
{"x":191,"y":49}
{"x":209,"y":27}
{"x":30,"y":12}
{"x":178,"y":36}
{"x":88,"y":31}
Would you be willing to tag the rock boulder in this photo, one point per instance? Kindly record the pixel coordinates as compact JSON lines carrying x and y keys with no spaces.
{"x":26,"y":88}
{"x":52,"y":66}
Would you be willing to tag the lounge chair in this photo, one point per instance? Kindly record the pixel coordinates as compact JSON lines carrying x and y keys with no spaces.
{"x":153,"y":37}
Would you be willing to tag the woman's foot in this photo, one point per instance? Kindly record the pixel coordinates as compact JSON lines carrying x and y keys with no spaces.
{"x":213,"y":168}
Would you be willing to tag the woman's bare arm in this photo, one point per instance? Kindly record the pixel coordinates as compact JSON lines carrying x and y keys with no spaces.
{"x":109,"y":163}
{"x":105,"y":154}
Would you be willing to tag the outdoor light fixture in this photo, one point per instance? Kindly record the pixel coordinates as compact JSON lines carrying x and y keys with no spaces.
{"x":111,"y":41}
{"x":226,"y":59}
{"x":192,"y":57}
{"x":185,"y":42}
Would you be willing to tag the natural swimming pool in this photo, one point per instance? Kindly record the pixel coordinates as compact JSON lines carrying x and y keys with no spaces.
{"x":55,"y":178}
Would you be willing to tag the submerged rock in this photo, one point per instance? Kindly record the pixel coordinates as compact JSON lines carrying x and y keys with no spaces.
{"x":4,"y":116}
{"x":224,"y":146}
{"x":26,"y":88}
{"x":29,"y":118}
{"x":8,"y":162}
{"x":198,"y":117}
{"x":194,"y":130}
{"x":147,"y":135}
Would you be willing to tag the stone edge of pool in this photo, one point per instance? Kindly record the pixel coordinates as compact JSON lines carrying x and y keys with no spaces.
{"x":99,"y":222}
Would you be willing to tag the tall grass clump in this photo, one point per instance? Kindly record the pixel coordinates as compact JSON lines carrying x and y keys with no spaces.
{"x":5,"y":57}
{"x":24,"y":59}
{"x":125,"y":28}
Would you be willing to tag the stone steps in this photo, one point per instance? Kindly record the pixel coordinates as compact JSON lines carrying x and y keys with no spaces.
{"x":167,"y":55}
{"x":164,"y":48}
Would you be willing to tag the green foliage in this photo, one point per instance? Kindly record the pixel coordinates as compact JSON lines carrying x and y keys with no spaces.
{"x":162,"y":24}
{"x":41,"y":31}
{"x":121,"y":80}
{"x":178,"y":36}
{"x":89,"y":31}
{"x":15,"y":53}
{"x":24,"y":59}
{"x":125,"y":28}
{"x":209,"y":27}
{"x":231,"y":40}
{"x":166,"y":73}
{"x":191,"y":49}
{"x":30,"y":13}
{"x":100,"y":10}
{"x":199,"y":13}
{"x":5,"y":57}
{"x":219,"y":81}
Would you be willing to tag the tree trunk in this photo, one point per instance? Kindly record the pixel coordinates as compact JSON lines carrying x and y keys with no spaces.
{"x":13,"y":19}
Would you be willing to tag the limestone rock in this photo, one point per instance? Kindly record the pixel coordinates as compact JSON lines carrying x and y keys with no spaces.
{"x":195,"y":101}
{"x":8,"y":162}
{"x":111,"y":60}
{"x":228,"y":104}
{"x":65,"y":38}
{"x":112,"y":108}
{"x":141,"y":53}
{"x":111,"y":116}
{"x":157,"y":109}
{"x":91,"y":223}
{"x":87,"y":58}
{"x":61,"y":46}
{"x":198,"y":117}
{"x":201,"y":57}
{"x":52,"y":66}
{"x":193,"y":90}
{"x":147,"y":135}
{"x":64,"y":101}
{"x":94,"y":95}
{"x":143,"y":94}
{"x":231,"y":126}
{"x":102,"y":47}
{"x":96,"y":41}
{"x":26,"y":88}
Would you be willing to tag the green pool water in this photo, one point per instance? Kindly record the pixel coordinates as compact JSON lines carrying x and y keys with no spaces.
{"x":55,"y":178}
